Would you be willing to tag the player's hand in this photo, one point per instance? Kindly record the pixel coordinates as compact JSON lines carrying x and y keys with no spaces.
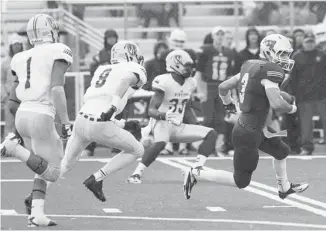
{"x":174,"y":118}
{"x":106,"y":116}
{"x":230,"y":108}
{"x":66,"y":131}
{"x":202,"y":97}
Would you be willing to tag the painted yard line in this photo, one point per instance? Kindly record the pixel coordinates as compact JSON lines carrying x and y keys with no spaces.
{"x":112,"y":210}
{"x":215,"y":209}
{"x":263,"y":193}
{"x":15,"y":180}
{"x":273,"y":189}
{"x":171,"y":219}
{"x":8,"y":212}
{"x":278,"y":206}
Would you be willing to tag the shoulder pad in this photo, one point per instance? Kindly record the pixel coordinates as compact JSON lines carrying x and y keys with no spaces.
{"x":159,"y":82}
{"x":61,"y":51}
{"x":274,"y":72}
{"x":139,"y":71}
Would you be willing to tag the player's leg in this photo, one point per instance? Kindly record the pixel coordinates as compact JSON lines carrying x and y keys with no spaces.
{"x":189,"y":133}
{"x":220,"y":127}
{"x":161,"y":133}
{"x":75,"y":145}
{"x":280,"y":150}
{"x":110,"y":135}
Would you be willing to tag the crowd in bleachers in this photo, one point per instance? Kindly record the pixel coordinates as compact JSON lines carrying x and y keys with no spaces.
{"x":307,"y":81}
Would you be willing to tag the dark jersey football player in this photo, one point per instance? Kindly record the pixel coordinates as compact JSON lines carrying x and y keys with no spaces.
{"x":216,"y":64}
{"x":258,"y":85}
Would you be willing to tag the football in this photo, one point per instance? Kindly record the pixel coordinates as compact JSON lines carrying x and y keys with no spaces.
{"x":287,"y":97}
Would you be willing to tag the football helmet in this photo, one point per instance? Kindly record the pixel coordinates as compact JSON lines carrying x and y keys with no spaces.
{"x":177,"y":39}
{"x":320,"y":33}
{"x":277,"y":48}
{"x":180,"y":62}
{"x":126,"y":51}
{"x":42,"y":28}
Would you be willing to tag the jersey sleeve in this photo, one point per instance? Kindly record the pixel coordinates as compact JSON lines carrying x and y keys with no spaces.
{"x":140,"y":73}
{"x":159,"y":83}
{"x":61,"y":51}
{"x":273,"y":72}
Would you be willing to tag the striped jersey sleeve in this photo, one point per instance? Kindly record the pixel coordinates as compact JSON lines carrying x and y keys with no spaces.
{"x":274,"y":72}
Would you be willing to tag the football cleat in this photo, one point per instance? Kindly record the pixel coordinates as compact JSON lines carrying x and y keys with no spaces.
{"x":40,"y":220}
{"x":189,"y":182}
{"x":10,"y":137}
{"x":134,"y":179}
{"x":95,"y":187}
{"x":28,"y":204}
{"x":295,"y":188}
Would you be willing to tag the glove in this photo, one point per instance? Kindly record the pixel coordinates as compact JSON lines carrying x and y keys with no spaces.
{"x":106,"y":116}
{"x":174,"y":118}
{"x":66,"y":131}
{"x":230,"y":108}
{"x":133,"y":126}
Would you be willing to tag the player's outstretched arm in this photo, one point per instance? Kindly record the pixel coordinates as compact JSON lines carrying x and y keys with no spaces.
{"x":155,"y":103}
{"x":275,"y":98}
{"x":58,"y":93}
{"x":225,"y":88}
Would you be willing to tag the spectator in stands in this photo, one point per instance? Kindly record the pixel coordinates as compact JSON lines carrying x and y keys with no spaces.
{"x":101,"y":58}
{"x":308,"y":84}
{"x":16,"y":45}
{"x":156,"y":65}
{"x":298,"y":36}
{"x":104,"y":55}
{"x":252,"y":49}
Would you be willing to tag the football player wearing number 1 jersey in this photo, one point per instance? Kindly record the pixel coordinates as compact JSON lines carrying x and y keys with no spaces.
{"x":107,"y":96}
{"x":167,"y":110}
{"x":258,"y":85}
{"x":40,"y":73}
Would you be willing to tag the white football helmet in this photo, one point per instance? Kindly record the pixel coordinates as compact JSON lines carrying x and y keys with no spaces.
{"x":277,"y":48}
{"x":126,"y":51}
{"x":177,"y":39}
{"x":320,"y":33}
{"x":180,"y":62}
{"x":42,"y":28}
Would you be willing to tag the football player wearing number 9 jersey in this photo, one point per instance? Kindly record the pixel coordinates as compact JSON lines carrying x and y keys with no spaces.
{"x":111,"y":87}
{"x":40,"y":73}
{"x":258,"y":85}
{"x":167,"y":110}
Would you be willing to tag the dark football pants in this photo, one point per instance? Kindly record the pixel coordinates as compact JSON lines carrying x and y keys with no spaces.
{"x":246,"y":155}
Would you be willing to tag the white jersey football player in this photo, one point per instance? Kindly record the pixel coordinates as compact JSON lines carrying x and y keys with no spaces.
{"x":111,"y":87}
{"x":167,"y":109}
{"x":40,"y":73}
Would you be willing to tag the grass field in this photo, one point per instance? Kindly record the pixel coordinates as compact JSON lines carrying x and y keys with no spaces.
{"x":158,"y":203}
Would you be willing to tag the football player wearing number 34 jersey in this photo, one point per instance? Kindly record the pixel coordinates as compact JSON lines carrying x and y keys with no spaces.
{"x":258,"y":85}
{"x":111,"y":87}
{"x":167,"y":109}
{"x":40,"y":74}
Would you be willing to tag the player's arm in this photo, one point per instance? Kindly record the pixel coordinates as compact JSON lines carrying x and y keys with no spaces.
{"x":13,"y":102}
{"x":155,"y":103}
{"x":225,"y":88}
{"x":275,"y":98}
{"x":59,"y":69}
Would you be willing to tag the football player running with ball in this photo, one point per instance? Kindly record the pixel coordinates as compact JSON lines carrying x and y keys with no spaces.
{"x":167,"y":110}
{"x":111,"y":87}
{"x":40,"y":77}
{"x":258,"y":85}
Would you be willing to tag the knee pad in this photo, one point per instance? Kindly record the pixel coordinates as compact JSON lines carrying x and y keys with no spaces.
{"x":207,"y":147}
{"x":51,"y":174}
{"x":242,"y":179}
{"x":282,"y":152}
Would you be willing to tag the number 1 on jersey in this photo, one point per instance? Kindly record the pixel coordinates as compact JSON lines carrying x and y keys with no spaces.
{"x":28,"y":77}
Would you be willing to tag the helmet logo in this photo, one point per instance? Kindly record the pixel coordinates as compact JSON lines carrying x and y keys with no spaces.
{"x":270,"y":44}
{"x":52,"y":23}
{"x":177,"y":59}
{"x":131,"y":49}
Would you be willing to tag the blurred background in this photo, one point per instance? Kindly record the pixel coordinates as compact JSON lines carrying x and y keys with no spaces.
{"x":90,"y":28}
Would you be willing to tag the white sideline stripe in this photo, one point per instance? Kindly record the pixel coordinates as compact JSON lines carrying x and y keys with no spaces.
{"x":277,"y":206}
{"x":263,"y":193}
{"x":216,"y":209}
{"x":112,"y":210}
{"x":272,"y":189}
{"x":15,"y":180}
{"x":273,"y":223}
{"x":104,"y":160}
{"x":8,"y":212}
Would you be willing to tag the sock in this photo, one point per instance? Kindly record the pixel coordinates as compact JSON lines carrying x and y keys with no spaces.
{"x":140,"y":169}
{"x":218,"y":176}
{"x":281,"y":175}
{"x":152,"y":152}
{"x":200,"y":161}
{"x":17,"y":150}
{"x":169,"y":147}
{"x":39,"y":192}
{"x":118,"y":162}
